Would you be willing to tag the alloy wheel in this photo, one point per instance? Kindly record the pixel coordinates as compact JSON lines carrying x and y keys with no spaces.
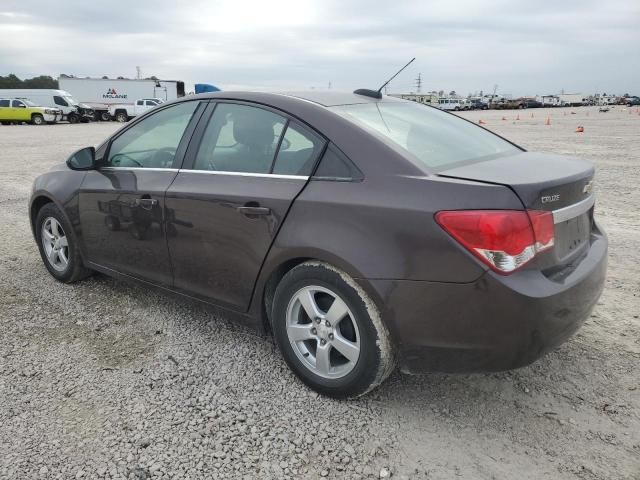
{"x":55,"y":244}
{"x":323,"y":332}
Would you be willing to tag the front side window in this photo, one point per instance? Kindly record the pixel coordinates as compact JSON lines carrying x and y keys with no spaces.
{"x":60,"y":101}
{"x":298,"y":151}
{"x":17,"y":104}
{"x":433,"y":138}
{"x":240,"y":138}
{"x":152,"y":143}
{"x":139,"y":102}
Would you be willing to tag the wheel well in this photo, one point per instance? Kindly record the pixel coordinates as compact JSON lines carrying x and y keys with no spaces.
{"x":121,"y":110}
{"x":37,"y":204}
{"x":270,"y":288}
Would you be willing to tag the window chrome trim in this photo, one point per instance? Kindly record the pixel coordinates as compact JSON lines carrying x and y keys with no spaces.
{"x":246,"y":174}
{"x":572,"y":211}
{"x":140,"y":168}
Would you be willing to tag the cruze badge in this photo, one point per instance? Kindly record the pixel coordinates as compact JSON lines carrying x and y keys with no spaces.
{"x":550,"y":198}
{"x":588,"y":187}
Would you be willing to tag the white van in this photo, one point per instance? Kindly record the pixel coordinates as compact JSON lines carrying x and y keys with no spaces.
{"x":72,"y":111}
{"x":451,"y":104}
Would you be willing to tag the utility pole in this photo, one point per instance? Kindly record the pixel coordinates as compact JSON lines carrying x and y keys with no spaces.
{"x":329,"y":85}
{"x":419,"y":83}
{"x":138,"y":73}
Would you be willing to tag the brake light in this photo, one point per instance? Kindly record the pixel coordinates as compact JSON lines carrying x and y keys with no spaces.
{"x":505,"y":240}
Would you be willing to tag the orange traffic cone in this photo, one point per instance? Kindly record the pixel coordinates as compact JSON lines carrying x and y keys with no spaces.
{"x":580,"y":130}
{"x":548,"y":122}
{"x":482,"y":122}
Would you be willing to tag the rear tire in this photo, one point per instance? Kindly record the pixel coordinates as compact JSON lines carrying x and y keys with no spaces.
{"x":73,"y":118}
{"x":105,"y":117}
{"x":37,"y":119}
{"x":58,"y":246}
{"x":341,"y":355}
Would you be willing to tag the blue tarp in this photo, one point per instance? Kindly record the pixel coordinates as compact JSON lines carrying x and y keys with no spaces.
{"x":205,"y":87}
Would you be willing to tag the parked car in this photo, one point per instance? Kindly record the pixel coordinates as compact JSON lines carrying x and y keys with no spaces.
{"x":478,"y":105}
{"x":125,"y":112}
{"x":363,"y":231}
{"x":531,"y":103}
{"x":632,"y":101}
{"x":62,"y":101}
{"x":18,"y":111}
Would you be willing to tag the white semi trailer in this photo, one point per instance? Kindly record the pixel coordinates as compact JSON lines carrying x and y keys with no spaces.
{"x":101,"y":93}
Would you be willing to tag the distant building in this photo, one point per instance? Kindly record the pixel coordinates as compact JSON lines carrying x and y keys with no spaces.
{"x":426,"y":98}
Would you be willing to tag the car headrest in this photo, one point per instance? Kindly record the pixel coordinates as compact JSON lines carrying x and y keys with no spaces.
{"x":252,"y":132}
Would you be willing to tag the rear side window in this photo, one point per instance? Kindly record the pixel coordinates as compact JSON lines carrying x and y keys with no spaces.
{"x":60,"y":101}
{"x":336,"y":166}
{"x":4,"y":103}
{"x":298,"y":151}
{"x":240,"y":138}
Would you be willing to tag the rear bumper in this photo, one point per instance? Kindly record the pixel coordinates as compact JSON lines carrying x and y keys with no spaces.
{"x":495,"y":323}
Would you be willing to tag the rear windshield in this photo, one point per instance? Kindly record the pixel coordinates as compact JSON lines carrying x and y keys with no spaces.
{"x":437,"y":139}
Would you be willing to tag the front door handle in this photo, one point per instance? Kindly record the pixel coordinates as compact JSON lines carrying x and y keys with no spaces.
{"x":250,"y":210}
{"x":146,"y":203}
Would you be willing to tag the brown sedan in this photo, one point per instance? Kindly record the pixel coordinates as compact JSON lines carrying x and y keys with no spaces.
{"x":363,"y":232}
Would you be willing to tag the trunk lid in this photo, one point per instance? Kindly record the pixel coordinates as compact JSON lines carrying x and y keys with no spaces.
{"x":547,"y":182}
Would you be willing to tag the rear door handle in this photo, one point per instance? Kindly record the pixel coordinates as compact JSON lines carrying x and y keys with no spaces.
{"x":146,"y":203}
{"x":254,"y":210}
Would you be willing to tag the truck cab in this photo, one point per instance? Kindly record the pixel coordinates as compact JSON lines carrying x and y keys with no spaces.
{"x":125,"y":112}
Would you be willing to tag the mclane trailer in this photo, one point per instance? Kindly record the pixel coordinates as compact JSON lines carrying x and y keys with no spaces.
{"x":101,"y":93}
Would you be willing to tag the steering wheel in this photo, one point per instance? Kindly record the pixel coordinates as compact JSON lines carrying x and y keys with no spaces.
{"x":163,"y":158}
{"x":120,"y":156}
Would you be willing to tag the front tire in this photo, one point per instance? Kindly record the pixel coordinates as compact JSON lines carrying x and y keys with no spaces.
{"x":37,"y":119}
{"x":58,"y":247}
{"x":122,"y":117}
{"x":330,"y":332}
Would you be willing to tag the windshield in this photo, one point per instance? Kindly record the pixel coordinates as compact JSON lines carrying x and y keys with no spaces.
{"x":437,"y":139}
{"x":70,"y":101}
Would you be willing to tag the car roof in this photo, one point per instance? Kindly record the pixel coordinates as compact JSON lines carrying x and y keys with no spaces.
{"x":322,"y":98}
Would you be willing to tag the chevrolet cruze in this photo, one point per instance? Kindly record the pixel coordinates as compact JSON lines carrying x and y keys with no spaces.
{"x":364,"y":232}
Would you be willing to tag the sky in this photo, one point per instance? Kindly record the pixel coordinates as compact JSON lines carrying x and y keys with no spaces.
{"x":524,"y":47}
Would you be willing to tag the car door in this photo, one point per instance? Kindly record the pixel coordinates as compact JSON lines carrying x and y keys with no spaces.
{"x":19,"y":111}
{"x":226,"y":206}
{"x":5,"y":110}
{"x":121,"y":203}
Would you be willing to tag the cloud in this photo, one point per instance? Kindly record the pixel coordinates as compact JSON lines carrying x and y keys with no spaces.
{"x":525,"y":47}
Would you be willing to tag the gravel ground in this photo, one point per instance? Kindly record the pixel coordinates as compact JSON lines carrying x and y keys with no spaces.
{"x":106,"y":380}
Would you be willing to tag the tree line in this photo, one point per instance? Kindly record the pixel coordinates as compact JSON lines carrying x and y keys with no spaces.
{"x":42,"y":81}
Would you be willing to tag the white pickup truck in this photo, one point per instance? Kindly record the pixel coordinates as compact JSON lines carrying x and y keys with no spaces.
{"x":125,"y":112}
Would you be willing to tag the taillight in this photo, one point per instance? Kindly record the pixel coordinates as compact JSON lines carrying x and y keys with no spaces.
{"x":503,"y":239}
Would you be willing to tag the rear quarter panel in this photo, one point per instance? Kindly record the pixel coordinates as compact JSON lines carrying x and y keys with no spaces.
{"x":384,"y":228}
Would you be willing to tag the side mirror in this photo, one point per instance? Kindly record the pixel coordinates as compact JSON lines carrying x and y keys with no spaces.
{"x":83,"y":159}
